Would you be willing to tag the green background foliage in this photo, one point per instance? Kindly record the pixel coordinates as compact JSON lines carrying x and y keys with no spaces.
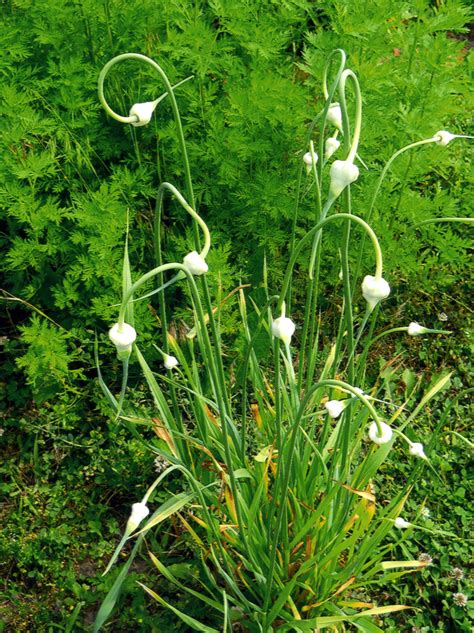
{"x":69,"y":175}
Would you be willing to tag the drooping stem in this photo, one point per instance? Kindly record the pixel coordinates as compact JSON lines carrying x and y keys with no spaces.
{"x":310,"y":235}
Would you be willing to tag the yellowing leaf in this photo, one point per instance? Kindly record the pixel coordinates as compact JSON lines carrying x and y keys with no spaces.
{"x":354,"y":604}
{"x":344,"y":586}
{"x":395,"y":564}
{"x":230,"y":503}
{"x":162,"y":432}
{"x":264,"y":454}
{"x":362,"y":493}
{"x":255,"y":411}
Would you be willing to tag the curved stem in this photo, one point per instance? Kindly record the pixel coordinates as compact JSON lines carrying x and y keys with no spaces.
{"x":190,"y":210}
{"x":348,"y":74}
{"x":319,"y":167}
{"x":403,"y":436}
{"x":342,"y":64}
{"x":174,"y":107}
{"x":143,"y":279}
{"x":388,"y":164}
{"x":118,"y":117}
{"x":311,"y":233}
{"x":433,"y":139}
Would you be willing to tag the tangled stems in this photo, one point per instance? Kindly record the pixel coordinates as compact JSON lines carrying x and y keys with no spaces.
{"x":319,"y":166}
{"x":351,"y":148}
{"x":251,"y":341}
{"x":328,"y":95}
{"x":188,"y":179}
{"x":288,"y":463}
{"x":347,"y":293}
{"x":342,"y":65}
{"x":348,"y":74}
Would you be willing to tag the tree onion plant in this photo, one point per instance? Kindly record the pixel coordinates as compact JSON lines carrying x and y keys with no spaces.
{"x":278,"y":464}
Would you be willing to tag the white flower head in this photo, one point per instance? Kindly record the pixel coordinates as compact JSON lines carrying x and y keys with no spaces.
{"x":335,"y":115}
{"x":342,"y":174}
{"x":425,"y":558}
{"x":386,"y":433}
{"x":195,"y":264}
{"x":170,"y":361}
{"x":161,"y":464}
{"x":358,"y":390}
{"x":444,"y":137}
{"x":456,"y":573}
{"x":425,"y":512}
{"x":123,"y":336}
{"x":143,"y":112}
{"x":460,"y":599}
{"x":330,"y":147}
{"x":335,"y":408}
{"x":415,"y":329}
{"x":139,"y":512}
{"x":401,"y":524}
{"x":416,"y":449}
{"x":283,"y":328}
{"x":374,"y":290}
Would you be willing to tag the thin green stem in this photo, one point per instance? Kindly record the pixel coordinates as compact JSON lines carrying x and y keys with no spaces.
{"x":298,"y":248}
{"x":348,"y":74}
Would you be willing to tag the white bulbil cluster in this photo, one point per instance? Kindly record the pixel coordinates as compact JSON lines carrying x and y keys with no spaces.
{"x":123,"y":336}
{"x":415,"y":329}
{"x":283,"y":328}
{"x":334,"y":408}
{"x":342,"y":174}
{"x":335,"y":115}
{"x":374,"y":290}
{"x":416,"y":449}
{"x":330,"y":147}
{"x":401,"y":524}
{"x":386,"y":433}
{"x":170,"y":362}
{"x":195,"y":264}
{"x":143,"y":112}
{"x":139,"y":512}
{"x":308,"y":161}
{"x":444,"y":137}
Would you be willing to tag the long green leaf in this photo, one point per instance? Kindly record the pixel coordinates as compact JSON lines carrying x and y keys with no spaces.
{"x":197,"y":626}
{"x":169,"y":576}
{"x":111,"y":598}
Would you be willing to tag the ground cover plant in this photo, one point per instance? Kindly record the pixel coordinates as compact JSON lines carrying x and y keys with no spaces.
{"x":67,"y":171}
{"x":278,"y":501}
